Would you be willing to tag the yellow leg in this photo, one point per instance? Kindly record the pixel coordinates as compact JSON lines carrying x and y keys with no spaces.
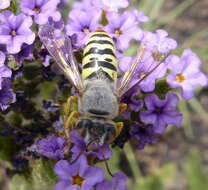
{"x":68,"y":105}
{"x":119,"y":127}
{"x":122,"y":108}
{"x":69,"y":123}
{"x":70,"y":116}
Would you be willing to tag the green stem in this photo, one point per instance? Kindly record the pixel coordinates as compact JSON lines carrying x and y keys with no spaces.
{"x":130,"y":154}
{"x":197,"y":107}
{"x":187,"y":119}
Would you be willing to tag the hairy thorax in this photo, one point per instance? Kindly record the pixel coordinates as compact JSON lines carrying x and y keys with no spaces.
{"x":99,"y":100}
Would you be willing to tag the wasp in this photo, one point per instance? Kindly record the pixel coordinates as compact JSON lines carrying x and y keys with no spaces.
{"x":99,"y":90}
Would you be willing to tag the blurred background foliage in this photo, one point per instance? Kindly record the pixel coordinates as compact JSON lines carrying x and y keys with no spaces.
{"x":179,"y":161}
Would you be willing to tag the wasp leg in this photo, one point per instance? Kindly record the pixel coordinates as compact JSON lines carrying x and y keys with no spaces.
{"x":70,"y":116}
{"x":122,"y":108}
{"x":69,"y":123}
{"x":68,"y":106}
{"x":119,"y":127}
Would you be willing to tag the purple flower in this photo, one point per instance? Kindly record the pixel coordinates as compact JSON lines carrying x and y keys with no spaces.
{"x":41,"y":10}
{"x":56,"y":24}
{"x":26,"y":52}
{"x":141,"y":18}
{"x":110,"y":5}
{"x":133,"y":104}
{"x":78,"y":144}
{"x":84,"y":5}
{"x":52,"y":147}
{"x":158,"y":42}
{"x":63,"y":1}
{"x":82,"y":24}
{"x":5,"y":72}
{"x":2,"y":58}
{"x":102,"y":153}
{"x":124,"y":28}
{"x":4,"y":4}
{"x":161,"y":113}
{"x":58,"y":125}
{"x":46,"y":61}
{"x":119,"y":181}
{"x":15,"y":30}
{"x":142,"y":134}
{"x":7,"y":95}
{"x":78,"y":176}
{"x":185,"y":73}
{"x":146,"y":64}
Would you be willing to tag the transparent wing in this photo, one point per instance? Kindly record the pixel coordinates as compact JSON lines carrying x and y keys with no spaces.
{"x":60,"y":48}
{"x":127,"y":88}
{"x":128,"y":75}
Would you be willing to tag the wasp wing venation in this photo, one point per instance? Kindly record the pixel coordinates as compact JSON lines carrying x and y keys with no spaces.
{"x":60,"y":49}
{"x":68,"y":50}
{"x":148,"y":73}
{"x":128,"y":75}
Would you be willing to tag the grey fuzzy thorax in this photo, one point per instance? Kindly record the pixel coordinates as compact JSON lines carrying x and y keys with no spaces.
{"x":99,"y":97}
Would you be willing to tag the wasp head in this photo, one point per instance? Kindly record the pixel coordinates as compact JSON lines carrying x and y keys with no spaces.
{"x":96,"y":133}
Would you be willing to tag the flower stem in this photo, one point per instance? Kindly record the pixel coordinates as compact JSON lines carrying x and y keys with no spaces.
{"x":130,"y":155}
{"x":197,"y":107}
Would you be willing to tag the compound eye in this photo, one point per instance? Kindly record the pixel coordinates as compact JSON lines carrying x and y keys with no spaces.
{"x":85,"y":123}
{"x":83,"y":126}
{"x":109,"y":128}
{"x":110,"y":132}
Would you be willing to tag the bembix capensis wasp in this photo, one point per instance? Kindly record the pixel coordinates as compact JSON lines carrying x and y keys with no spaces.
{"x":99,"y":90}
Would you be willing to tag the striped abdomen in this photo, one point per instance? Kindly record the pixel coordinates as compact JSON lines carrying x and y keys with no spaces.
{"x":99,"y":60}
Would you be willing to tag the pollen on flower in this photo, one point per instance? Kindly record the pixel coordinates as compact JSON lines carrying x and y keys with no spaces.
{"x":37,"y":9}
{"x":77,"y":180}
{"x":118,"y":32}
{"x":142,"y":75}
{"x":157,"y":56}
{"x":61,"y":42}
{"x":180,"y":77}
{"x":13,"y":33}
{"x":110,"y":6}
{"x":158,"y":110}
{"x":86,"y":30}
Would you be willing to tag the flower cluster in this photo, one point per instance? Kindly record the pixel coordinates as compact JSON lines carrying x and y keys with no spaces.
{"x":26,"y":69}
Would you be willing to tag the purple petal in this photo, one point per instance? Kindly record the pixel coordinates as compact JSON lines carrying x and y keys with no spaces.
{"x":93,"y":175}
{"x":173,"y":118}
{"x":171,"y":100}
{"x":187,"y":91}
{"x":63,"y":170}
{"x":148,"y":117}
{"x":119,"y":181}
{"x":62,"y":185}
{"x":160,"y":125}
{"x":105,"y":185}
